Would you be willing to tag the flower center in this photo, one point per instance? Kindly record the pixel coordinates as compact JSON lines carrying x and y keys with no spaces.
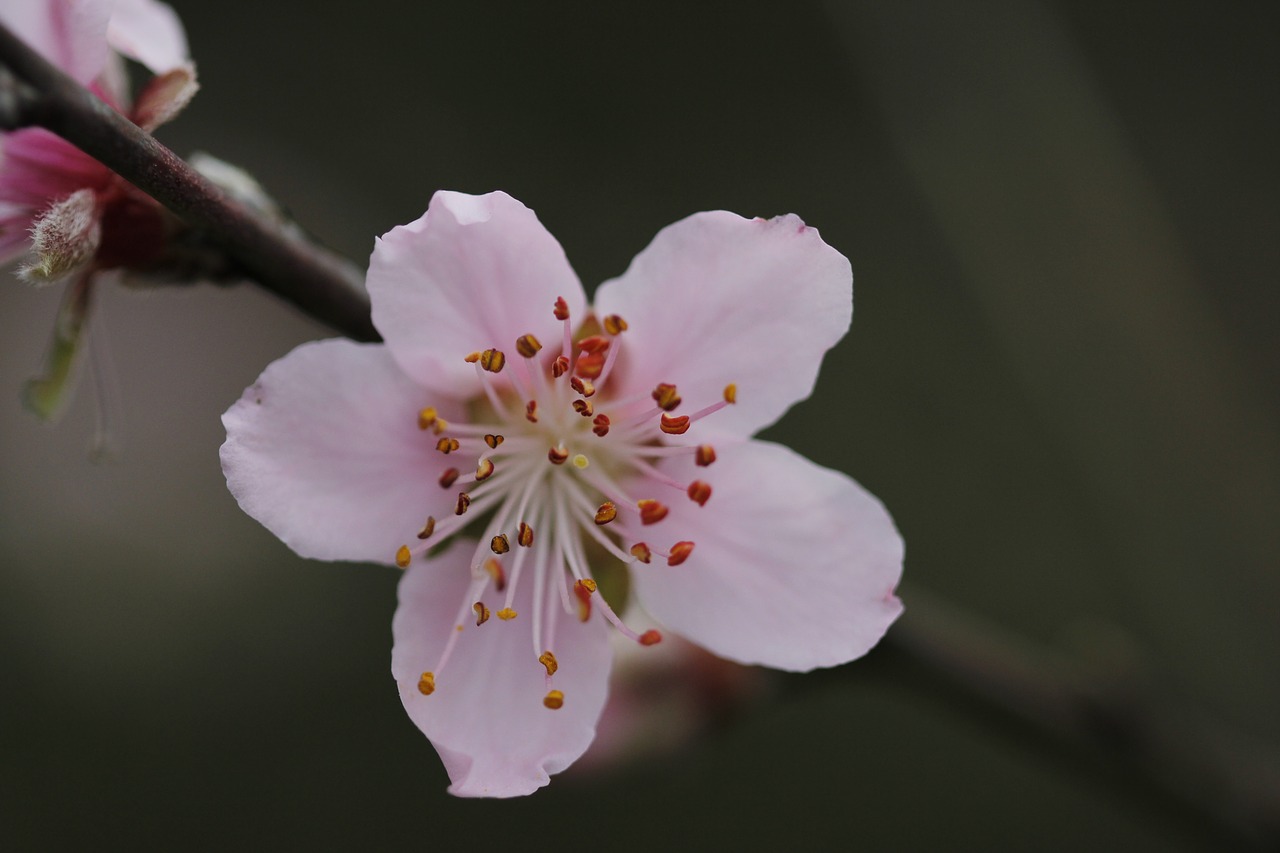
{"x":560,"y":461}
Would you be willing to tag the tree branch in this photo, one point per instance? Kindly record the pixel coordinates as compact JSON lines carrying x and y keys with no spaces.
{"x":34,"y":93}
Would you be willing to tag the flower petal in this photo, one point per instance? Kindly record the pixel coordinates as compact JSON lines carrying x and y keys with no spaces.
{"x":149,"y":32}
{"x":473,"y":272}
{"x":718,"y":299}
{"x":794,"y":565}
{"x":486,"y":717}
{"x":71,"y":35}
{"x":324,"y":450}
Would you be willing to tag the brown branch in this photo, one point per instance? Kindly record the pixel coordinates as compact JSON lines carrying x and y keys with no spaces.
{"x":34,"y":93}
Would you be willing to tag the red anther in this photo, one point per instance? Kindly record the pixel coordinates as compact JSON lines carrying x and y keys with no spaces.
{"x":641,"y":552}
{"x":500,"y":544}
{"x":666,"y":397}
{"x":448,"y":478}
{"x":583,"y":407}
{"x":447,"y":445}
{"x":561,"y":309}
{"x":428,"y":528}
{"x":679,"y":553}
{"x":582,"y":386}
{"x":484,"y":470}
{"x":482,"y":613}
{"x":673,"y":426}
{"x":606,"y":513}
{"x":559,"y":367}
{"x":706,"y":454}
{"x":594,"y":345}
{"x":651,"y":637}
{"x":601,"y":427}
{"x":614,"y":325}
{"x":651,"y":511}
{"x":557,"y":455}
{"x":531,"y":411}
{"x":464,"y":501}
{"x":493,"y":440}
{"x":497,"y":575}
{"x":524,"y":535}
{"x":699,"y":492}
{"x":528,"y":345}
{"x":582,"y":591}
{"x":493,"y":360}
{"x":590,"y":366}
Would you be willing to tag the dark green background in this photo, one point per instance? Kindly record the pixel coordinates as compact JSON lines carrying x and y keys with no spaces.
{"x":1061,"y":379}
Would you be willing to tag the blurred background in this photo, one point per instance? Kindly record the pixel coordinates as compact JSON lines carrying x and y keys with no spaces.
{"x":1061,"y":379}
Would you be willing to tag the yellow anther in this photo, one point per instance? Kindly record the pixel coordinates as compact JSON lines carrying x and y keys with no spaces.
{"x":506,"y":614}
{"x":554,"y":700}
{"x":528,"y":345}
{"x":464,"y":501}
{"x":493,"y":360}
{"x":731,"y":393}
{"x":586,"y":583}
{"x":484,"y":470}
{"x":614,"y":325}
{"x":428,"y":528}
{"x":500,"y":544}
{"x":606,"y":513}
{"x":473,"y":358}
{"x":641,"y":552}
{"x":549,"y":661}
{"x":427,"y":683}
{"x":482,"y":613}
{"x":447,"y":445}
{"x":440,"y":426}
{"x":582,"y":386}
{"x":426,"y":418}
{"x":581,"y":461}
{"x":524,"y":535}
{"x":493,"y":440}
{"x":403,"y":556}
{"x":496,"y":574}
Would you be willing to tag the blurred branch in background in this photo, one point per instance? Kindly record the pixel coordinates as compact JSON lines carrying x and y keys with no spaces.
{"x":1169,"y":757}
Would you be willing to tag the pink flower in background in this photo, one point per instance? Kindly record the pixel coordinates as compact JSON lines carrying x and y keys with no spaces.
{"x":65,"y":211}
{"x":564,"y":443}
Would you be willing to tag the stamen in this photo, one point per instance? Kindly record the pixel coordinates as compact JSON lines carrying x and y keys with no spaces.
{"x":448,"y":478}
{"x":428,"y":528}
{"x":531,"y":411}
{"x":583,"y":407}
{"x":500,"y":544}
{"x":557,"y":455}
{"x":528,"y":346}
{"x":493,"y":440}
{"x":666,"y":397}
{"x":472,"y":358}
{"x":548,"y":660}
{"x":464,"y":501}
{"x":554,"y":700}
{"x":582,"y":386}
{"x":559,"y":367}
{"x":699,"y":492}
{"x":590,"y":366}
{"x":506,"y":614}
{"x":674,"y":426}
{"x":524,"y":535}
{"x":607,"y":513}
{"x":403,"y":556}
{"x":485,"y":469}
{"x":641,"y":552}
{"x":679,"y":553}
{"x":427,"y":683}
{"x":447,"y":445}
{"x":651,"y":511}
{"x":561,"y":309}
{"x":614,"y":325}
{"x":706,"y":455}
{"x":594,"y":345}
{"x":731,"y":393}
{"x":580,"y":461}
{"x":651,"y":637}
{"x":482,"y":613}
{"x":583,"y":589}
{"x":496,"y":574}
{"x":427,"y":418}
{"x":601,"y":427}
{"x":493,"y":360}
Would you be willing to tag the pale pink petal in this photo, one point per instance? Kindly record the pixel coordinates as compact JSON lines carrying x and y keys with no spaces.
{"x":324,"y":450}
{"x":794,"y":565}
{"x":718,"y":299}
{"x":69,"y":33}
{"x":149,"y":32}
{"x":486,"y":717}
{"x":473,"y":272}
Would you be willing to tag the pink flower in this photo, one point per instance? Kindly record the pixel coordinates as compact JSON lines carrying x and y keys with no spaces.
{"x":70,"y":210}
{"x":558,"y":442}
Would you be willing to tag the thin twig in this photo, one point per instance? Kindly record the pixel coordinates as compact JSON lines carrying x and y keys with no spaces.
{"x":312,"y":278}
